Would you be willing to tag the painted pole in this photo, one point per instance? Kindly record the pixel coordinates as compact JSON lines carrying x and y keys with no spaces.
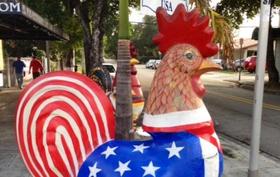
{"x":240,"y":67}
{"x":123,"y":23}
{"x":123,"y":84}
{"x":259,"y":86}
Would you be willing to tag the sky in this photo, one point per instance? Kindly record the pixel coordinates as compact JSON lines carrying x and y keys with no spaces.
{"x":245,"y":30}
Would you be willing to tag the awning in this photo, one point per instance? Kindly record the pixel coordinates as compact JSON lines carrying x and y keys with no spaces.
{"x":17,"y":21}
{"x":275,"y":33}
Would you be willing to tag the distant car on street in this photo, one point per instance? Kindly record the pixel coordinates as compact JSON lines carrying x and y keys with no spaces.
{"x":238,"y":64}
{"x":111,"y":68}
{"x":250,"y":64}
{"x":218,"y":61}
{"x":150,"y":63}
{"x":156,"y":64}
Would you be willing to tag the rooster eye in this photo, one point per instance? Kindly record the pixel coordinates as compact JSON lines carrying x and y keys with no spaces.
{"x":189,"y":55}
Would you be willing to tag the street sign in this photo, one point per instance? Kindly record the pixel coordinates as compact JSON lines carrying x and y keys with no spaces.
{"x":10,"y":7}
{"x":169,"y":5}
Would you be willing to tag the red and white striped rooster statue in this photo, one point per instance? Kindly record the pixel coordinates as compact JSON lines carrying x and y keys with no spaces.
{"x":65,"y":122}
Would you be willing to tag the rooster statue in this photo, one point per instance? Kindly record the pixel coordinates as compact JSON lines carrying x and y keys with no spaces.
{"x":65,"y":123}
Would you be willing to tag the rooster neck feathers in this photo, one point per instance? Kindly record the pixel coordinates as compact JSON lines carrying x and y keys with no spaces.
{"x":172,"y":88}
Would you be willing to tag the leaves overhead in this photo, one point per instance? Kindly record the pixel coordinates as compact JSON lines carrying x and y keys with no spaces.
{"x":234,"y":11}
{"x":221,"y":27}
{"x":142,"y":34}
{"x":79,"y":20}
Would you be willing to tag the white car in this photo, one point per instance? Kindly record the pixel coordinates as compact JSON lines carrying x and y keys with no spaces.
{"x":150,"y":63}
{"x":111,"y":68}
{"x":156,"y":64}
{"x":218,"y":61}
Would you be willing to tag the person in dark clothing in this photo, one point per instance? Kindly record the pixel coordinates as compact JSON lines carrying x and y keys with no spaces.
{"x":18,"y":69}
{"x":36,"y":67}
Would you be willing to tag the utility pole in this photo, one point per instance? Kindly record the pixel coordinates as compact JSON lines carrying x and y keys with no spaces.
{"x":240,"y":68}
{"x":259,"y":86}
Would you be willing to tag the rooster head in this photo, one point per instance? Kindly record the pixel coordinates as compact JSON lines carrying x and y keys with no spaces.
{"x":186,"y":40}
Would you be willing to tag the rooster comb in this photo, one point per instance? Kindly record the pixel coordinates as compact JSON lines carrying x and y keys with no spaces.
{"x":184,"y":27}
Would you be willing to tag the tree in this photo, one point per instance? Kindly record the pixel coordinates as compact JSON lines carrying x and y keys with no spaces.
{"x":123,"y":91}
{"x":220,"y":25}
{"x":60,"y":13}
{"x":98,"y":17}
{"x":142,"y":35}
{"x":235,"y":11}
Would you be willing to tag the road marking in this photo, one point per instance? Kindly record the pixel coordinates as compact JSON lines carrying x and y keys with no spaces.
{"x":244,"y":100}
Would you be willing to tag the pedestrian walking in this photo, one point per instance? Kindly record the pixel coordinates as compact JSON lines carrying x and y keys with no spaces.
{"x":18,"y":70}
{"x":36,"y":66}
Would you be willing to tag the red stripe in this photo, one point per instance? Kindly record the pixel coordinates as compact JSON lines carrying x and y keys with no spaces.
{"x":57,"y":160}
{"x":203,"y":130}
{"x":70,"y":160}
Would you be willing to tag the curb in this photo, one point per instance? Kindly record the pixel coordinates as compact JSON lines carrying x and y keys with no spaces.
{"x":251,"y":85}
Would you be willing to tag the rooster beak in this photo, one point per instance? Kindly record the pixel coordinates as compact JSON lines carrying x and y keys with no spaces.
{"x":207,"y":66}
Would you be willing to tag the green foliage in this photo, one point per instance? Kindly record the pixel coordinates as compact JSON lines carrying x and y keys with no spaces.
{"x":21,"y":48}
{"x":61,"y":13}
{"x":61,"y":16}
{"x":234,"y":11}
{"x":221,"y":26}
{"x":142,"y":35}
{"x":111,"y":45}
{"x":38,"y":53}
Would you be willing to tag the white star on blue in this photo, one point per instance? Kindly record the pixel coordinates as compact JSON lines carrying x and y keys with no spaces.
{"x":167,"y":155}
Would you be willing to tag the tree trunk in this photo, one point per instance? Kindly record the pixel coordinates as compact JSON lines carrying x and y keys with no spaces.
{"x":69,"y":60}
{"x":88,"y":55}
{"x":270,"y":60}
{"x":97,"y":36}
{"x":124,"y":99}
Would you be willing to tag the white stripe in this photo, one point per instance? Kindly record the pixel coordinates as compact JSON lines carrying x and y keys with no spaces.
{"x":25,"y":120}
{"x":61,"y":131}
{"x":73,"y":125}
{"x":210,"y":155}
{"x":180,"y":118}
{"x":50,"y":162}
{"x":75,"y":128}
{"x":64,"y":115}
{"x":60,"y":113}
{"x":29,"y":106}
{"x":59,"y":145}
{"x":217,"y":139}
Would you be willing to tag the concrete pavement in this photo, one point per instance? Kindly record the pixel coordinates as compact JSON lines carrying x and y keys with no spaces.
{"x":236,"y":154}
{"x":11,"y":164}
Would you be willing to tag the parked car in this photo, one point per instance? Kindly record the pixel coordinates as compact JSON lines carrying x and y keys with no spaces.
{"x":111,"y":68}
{"x":219,"y":62}
{"x":250,"y":64}
{"x":156,"y":64}
{"x":150,"y":63}
{"x":238,"y":64}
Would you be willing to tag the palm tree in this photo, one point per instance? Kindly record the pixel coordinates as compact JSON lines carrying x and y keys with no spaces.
{"x":124,"y":99}
{"x":222,"y":29}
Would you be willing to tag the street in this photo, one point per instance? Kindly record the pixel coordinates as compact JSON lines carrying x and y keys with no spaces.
{"x":231,"y":108}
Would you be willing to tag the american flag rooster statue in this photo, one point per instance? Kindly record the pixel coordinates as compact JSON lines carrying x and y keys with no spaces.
{"x":65,"y":123}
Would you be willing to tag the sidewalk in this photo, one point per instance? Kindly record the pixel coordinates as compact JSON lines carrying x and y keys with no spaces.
{"x":236,"y":154}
